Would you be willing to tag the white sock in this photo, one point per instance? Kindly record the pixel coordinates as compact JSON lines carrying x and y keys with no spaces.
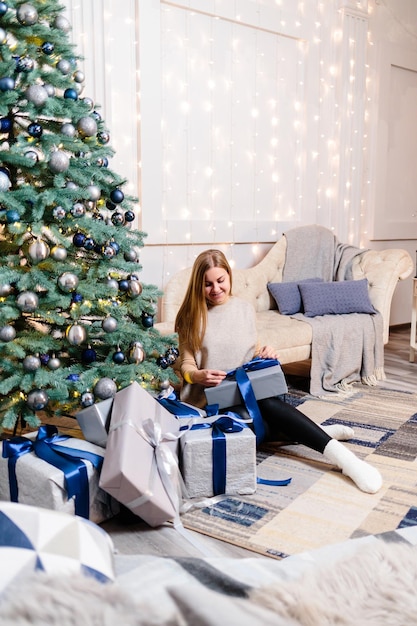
{"x":366,"y":477}
{"x":340,"y":432}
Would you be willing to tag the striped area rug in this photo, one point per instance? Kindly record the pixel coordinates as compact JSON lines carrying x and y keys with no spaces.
{"x":321,"y":506}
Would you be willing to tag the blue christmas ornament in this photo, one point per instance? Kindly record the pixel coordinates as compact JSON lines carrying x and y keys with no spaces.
{"x":110,"y":205}
{"x":70,"y":94}
{"x":6,"y":83}
{"x":44,"y":358}
{"x":3,"y":8}
{"x":117,"y":196}
{"x":73,"y":378}
{"x":76,"y":298}
{"x":47,"y":47}
{"x":35,"y":130}
{"x":89,"y":243}
{"x":123,"y":285}
{"x":115,"y":246}
{"x":12,"y":216}
{"x":118,"y":357}
{"x":89,"y":355}
{"x":79,"y":239}
{"x":5,"y":124}
{"x":129,"y":216}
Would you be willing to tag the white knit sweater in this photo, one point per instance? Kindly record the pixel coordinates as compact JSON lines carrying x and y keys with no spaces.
{"x":230,"y":340}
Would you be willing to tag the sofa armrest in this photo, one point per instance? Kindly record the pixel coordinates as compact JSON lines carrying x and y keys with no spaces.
{"x":383,"y":269}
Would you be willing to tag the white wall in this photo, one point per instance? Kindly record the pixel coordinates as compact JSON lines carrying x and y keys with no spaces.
{"x":236,"y":120}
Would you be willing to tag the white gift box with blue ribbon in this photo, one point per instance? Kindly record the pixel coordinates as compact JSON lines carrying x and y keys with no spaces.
{"x":265,"y":375}
{"x":55,"y":472}
{"x":218,"y":456}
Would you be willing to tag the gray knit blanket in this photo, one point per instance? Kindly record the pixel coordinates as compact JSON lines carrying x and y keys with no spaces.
{"x":345,"y":348}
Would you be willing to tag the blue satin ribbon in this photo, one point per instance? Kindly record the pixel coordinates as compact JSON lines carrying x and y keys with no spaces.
{"x":68,"y":460}
{"x":179,"y":409}
{"x":255,"y":364}
{"x":273,"y":483}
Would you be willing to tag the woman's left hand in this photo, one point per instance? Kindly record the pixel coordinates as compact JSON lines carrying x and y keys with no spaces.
{"x":268,"y":352}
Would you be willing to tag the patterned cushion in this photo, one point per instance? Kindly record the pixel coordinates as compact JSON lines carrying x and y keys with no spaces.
{"x":345,"y":296}
{"x":287,"y":295}
{"x":33,"y":538}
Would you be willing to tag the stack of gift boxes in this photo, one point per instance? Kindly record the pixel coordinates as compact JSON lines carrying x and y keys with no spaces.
{"x":138,"y":453}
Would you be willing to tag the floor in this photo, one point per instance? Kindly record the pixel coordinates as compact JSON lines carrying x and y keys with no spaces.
{"x":132,"y":536}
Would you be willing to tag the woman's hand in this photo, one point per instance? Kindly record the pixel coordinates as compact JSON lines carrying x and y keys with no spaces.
{"x":268,"y":352}
{"x":208,"y":378}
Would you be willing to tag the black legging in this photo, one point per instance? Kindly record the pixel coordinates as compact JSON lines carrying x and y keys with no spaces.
{"x":283,"y":421}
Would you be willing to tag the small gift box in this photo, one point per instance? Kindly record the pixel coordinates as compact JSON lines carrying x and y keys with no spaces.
{"x":94,"y":421}
{"x":266,"y":378}
{"x":140,"y":466}
{"x":217,"y":457}
{"x":55,"y":472}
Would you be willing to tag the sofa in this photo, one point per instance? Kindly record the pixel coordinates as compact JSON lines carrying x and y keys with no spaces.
{"x":290,"y":335}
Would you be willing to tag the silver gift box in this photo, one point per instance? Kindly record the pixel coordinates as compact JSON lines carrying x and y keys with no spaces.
{"x":266,"y":383}
{"x":94,"y":421}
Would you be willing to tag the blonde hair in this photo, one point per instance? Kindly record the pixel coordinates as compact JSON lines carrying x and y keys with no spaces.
{"x":191,"y":320}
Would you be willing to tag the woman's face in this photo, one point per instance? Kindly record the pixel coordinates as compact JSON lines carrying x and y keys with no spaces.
{"x":217,"y":285}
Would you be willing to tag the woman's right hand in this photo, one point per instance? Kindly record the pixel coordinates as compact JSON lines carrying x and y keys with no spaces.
{"x":208,"y":378}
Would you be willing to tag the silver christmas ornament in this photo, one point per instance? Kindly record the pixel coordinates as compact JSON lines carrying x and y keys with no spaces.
{"x":130,"y":255}
{"x":109,"y":324}
{"x":38,"y":251}
{"x":37,"y":94}
{"x":68,"y":129}
{"x":87,"y":127}
{"x":27,"y":14}
{"x":58,"y":253}
{"x":54,"y":363}
{"x":62,"y":23}
{"x":87,"y":399}
{"x":71,"y":185}
{"x":5,"y":290}
{"x":135,"y":288}
{"x":164,"y":384}
{"x":64,"y":66}
{"x":7,"y":333}
{"x":27,"y":301}
{"x":105,"y":388}
{"x":3,"y":36}
{"x":37,"y":399}
{"x":112,"y":284}
{"x":50,"y":90}
{"x":31,"y":363}
{"x":58,"y":162}
{"x":79,"y":76}
{"x":108,"y":252}
{"x":68,"y":282}
{"x":59,"y":213}
{"x":33,"y":155}
{"x":78,"y":209}
{"x":94,"y":192}
{"x":89,"y":102}
{"x":76,"y":334}
{"x":136,"y":353}
{"x":5,"y":182}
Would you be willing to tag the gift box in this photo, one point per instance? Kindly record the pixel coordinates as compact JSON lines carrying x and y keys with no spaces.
{"x":266,"y":382}
{"x":35,"y":539}
{"x":41,"y":484}
{"x":234,"y":461}
{"x":94,"y":421}
{"x":140,"y":467}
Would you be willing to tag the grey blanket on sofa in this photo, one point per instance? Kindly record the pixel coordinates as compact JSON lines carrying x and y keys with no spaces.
{"x":345,"y":348}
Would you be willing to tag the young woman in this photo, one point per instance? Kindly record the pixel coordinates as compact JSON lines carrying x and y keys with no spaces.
{"x":217,"y":333}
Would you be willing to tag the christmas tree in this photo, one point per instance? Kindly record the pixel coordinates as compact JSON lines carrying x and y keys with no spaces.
{"x":76,"y":323}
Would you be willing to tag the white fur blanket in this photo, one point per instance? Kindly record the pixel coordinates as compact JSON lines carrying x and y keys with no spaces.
{"x":345,"y":348}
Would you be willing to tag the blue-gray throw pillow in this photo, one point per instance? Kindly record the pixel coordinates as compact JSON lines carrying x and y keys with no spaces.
{"x":287,"y":295}
{"x":336,"y":298}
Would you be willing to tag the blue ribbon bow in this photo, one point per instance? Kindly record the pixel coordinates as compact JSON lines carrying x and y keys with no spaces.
{"x":68,"y":460}
{"x":180,"y":409}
